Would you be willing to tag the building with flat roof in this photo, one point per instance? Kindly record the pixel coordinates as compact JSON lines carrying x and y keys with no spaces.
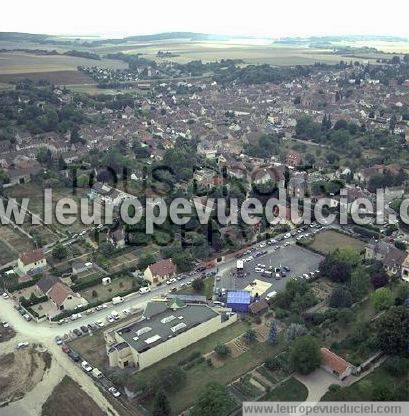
{"x":238,"y":301}
{"x":165,"y":328}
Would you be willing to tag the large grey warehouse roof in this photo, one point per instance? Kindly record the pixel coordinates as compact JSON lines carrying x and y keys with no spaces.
{"x":145,"y":334}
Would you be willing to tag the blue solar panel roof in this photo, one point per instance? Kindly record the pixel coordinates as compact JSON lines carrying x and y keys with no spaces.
{"x":238,"y":297}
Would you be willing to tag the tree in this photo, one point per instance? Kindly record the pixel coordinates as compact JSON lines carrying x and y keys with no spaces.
{"x":161,"y":405}
{"x":379,"y":280}
{"x":359,"y":283}
{"x":294,"y":331}
{"x":250,"y":336}
{"x":198,"y":285}
{"x":106,"y":248}
{"x":340,"y":298}
{"x":44,"y":156}
{"x":382,"y":299}
{"x":183,"y":261}
{"x":397,"y":366}
{"x":305,"y":354}
{"x":273,"y":333}
{"x":222,"y":350}
{"x":393,"y":330}
{"x":214,"y":400}
{"x":146,"y":260}
{"x":171,"y":378}
{"x":59,"y":251}
{"x":340,"y":272}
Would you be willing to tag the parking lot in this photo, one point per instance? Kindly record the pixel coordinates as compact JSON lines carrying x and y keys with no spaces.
{"x":299,"y":260}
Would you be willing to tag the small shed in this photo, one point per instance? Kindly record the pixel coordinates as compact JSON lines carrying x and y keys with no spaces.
{"x":238,"y":301}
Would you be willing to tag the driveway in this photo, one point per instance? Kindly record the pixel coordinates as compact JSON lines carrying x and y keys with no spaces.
{"x":317,"y":383}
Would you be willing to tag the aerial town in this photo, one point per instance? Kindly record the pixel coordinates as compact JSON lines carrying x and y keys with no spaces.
{"x":105,"y":318}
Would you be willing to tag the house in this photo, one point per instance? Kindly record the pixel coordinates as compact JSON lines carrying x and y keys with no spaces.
{"x":391,"y":257}
{"x":298,"y":185}
{"x":62,"y":297}
{"x":259,"y":307}
{"x":166,"y":327}
{"x":405,"y":269}
{"x":336,"y":365}
{"x":238,"y":301}
{"x":31,"y":262}
{"x":293,"y":159}
{"x":206,"y":149}
{"x":117,"y":237}
{"x":109,"y":195}
{"x":22,"y":170}
{"x":160,"y":271}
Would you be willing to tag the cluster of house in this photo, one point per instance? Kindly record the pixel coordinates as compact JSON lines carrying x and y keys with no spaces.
{"x":395,"y":261}
{"x":61,"y":296}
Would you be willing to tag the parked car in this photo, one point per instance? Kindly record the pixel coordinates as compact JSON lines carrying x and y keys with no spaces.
{"x":74,"y":356}
{"x":58,"y":340}
{"x":271,"y":295}
{"x":114,"y":391}
{"x":86,"y":366}
{"x":84,"y":329}
{"x":27,"y":317}
{"x":77,"y":332}
{"x":65,"y":349}
{"x":22,"y":345}
{"x":5,"y":295}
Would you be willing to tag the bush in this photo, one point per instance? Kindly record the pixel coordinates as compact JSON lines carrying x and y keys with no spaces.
{"x":382,"y":299}
{"x":340,"y":298}
{"x":379,"y":280}
{"x":222,"y":350}
{"x":272,"y":364}
{"x":198,"y":285}
{"x":397,"y":366}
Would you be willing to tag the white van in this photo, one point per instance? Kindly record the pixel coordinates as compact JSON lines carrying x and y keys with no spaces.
{"x":116,"y":300}
{"x":271,"y":295}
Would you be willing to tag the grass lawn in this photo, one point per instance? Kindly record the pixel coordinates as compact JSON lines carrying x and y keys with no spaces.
{"x":291,"y":390}
{"x":105,"y":293}
{"x":64,"y":396}
{"x":365,"y":389}
{"x":327,"y":241}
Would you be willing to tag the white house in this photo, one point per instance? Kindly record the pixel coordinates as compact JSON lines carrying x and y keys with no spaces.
{"x":31,"y":262}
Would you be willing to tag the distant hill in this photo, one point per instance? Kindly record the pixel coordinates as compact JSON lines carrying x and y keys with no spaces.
{"x":43,"y":38}
{"x":349,"y":38}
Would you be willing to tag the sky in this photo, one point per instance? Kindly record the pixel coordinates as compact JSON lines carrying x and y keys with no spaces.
{"x":271,"y":18}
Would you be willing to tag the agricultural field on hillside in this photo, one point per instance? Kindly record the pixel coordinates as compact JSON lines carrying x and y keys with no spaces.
{"x":19,"y":62}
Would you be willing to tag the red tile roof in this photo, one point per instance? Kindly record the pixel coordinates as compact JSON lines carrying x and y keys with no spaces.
{"x":59,"y":292}
{"x":163,"y":268}
{"x":32,"y":256}
{"x":334,"y":361}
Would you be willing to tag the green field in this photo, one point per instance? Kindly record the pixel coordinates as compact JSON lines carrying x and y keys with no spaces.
{"x":328,"y":241}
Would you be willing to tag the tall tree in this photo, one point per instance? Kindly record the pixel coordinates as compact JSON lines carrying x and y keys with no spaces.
{"x":305,"y":355}
{"x":213,"y":401}
{"x":161,"y":405}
